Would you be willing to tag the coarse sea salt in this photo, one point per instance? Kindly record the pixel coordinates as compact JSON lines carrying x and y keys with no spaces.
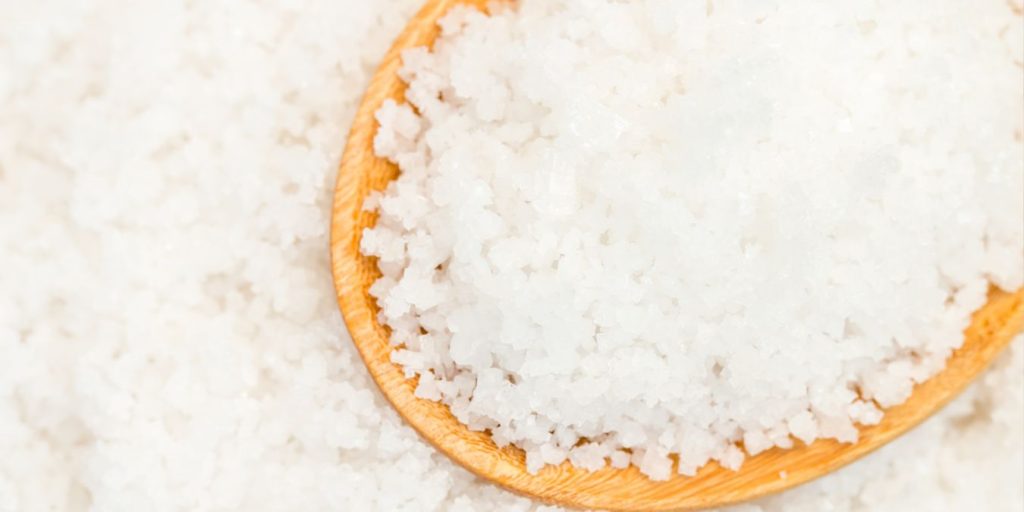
{"x":225,"y":380}
{"x":630,"y":230}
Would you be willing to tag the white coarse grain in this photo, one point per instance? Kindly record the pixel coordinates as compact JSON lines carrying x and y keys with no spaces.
{"x":168,"y":334}
{"x":665,"y":228}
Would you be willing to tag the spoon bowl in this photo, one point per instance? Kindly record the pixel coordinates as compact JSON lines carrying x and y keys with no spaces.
{"x":362,"y":172}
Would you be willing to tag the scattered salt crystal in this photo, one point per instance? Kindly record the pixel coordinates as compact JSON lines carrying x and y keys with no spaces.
{"x":619,"y":459}
{"x":656,"y":465}
{"x":755,"y":441}
{"x":803,"y":426}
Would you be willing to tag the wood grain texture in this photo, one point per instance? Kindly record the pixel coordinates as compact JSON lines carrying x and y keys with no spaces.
{"x":611,"y":489}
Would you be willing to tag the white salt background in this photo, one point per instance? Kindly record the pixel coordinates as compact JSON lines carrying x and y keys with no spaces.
{"x":168,"y":333}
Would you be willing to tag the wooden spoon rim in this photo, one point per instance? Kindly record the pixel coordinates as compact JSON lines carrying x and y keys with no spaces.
{"x":612,"y":489}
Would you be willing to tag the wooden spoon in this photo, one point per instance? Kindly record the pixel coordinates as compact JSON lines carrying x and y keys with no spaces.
{"x":613,"y":489}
